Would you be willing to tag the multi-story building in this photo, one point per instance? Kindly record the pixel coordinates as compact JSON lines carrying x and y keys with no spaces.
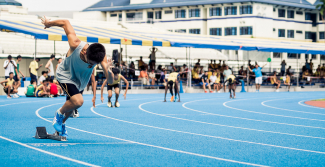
{"x":273,"y":19}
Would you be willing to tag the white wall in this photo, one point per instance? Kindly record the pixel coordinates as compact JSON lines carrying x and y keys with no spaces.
{"x":93,"y":15}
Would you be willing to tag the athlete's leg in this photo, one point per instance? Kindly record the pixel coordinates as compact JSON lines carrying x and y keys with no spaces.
{"x":203,"y":86}
{"x":170,"y":83}
{"x":177,"y":91}
{"x":75,"y":102}
{"x":109,"y":92}
{"x":117,"y":93}
{"x":209,"y":86}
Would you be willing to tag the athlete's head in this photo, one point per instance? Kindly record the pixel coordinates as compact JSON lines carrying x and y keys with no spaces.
{"x":46,"y":81}
{"x":11,"y":75}
{"x":256,"y":66}
{"x":116,"y":72}
{"x":19,"y":58}
{"x":44,"y":73}
{"x":50,"y":80}
{"x":52,"y":57}
{"x":205,"y":72}
{"x":95,"y":53}
{"x":32,"y":82}
{"x":59,"y":60}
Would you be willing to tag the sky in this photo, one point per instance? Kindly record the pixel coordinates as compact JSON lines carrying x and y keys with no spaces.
{"x":57,"y":5}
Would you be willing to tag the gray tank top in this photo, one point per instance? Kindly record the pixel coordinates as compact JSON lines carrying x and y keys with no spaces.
{"x":73,"y":70}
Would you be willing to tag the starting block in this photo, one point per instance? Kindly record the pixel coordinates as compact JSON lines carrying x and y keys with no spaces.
{"x":41,"y":133}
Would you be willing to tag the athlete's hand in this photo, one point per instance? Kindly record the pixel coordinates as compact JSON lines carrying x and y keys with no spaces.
{"x":102,"y":99}
{"x":46,"y":22}
{"x":94,"y":102}
{"x":124,"y":96}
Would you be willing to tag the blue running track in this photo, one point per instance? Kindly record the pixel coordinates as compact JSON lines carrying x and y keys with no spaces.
{"x":256,"y":129}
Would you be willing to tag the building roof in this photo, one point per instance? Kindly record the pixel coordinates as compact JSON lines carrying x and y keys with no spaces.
{"x":116,"y":5}
{"x":10,"y":2}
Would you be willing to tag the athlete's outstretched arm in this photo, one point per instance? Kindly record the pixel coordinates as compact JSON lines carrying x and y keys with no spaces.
{"x":107,"y":68}
{"x":73,"y":40}
{"x":102,"y":90}
{"x":94,"y":86}
{"x":127,"y":86}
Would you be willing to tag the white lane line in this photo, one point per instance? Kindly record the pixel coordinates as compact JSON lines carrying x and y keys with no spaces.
{"x":276,"y":115}
{"x":149,"y":145}
{"x":282,"y":133}
{"x":303,"y":101}
{"x":29,"y":102}
{"x":210,"y":136}
{"x":263,"y":103}
{"x":49,"y":153}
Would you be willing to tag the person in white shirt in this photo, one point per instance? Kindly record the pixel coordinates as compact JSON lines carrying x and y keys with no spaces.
{"x":213,"y":79}
{"x":152,"y":77}
{"x":59,"y":62}
{"x":50,"y":68}
{"x":42,"y":78}
{"x":9,"y":66}
{"x":226,"y":73}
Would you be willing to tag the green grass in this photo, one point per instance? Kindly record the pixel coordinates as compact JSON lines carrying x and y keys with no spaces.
{"x":319,"y":100}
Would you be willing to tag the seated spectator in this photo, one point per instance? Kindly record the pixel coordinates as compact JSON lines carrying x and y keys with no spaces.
{"x":195,"y":74}
{"x":287,"y":81}
{"x":306,"y":76}
{"x":205,"y":82}
{"x":242,"y":72}
{"x":317,"y":73}
{"x":183,"y":71}
{"x":42,"y":78}
{"x":152,"y":77}
{"x":9,"y":86}
{"x":41,"y":90}
{"x":159,"y":69}
{"x":53,"y":88}
{"x":31,"y":89}
{"x":209,"y":73}
{"x":288,"y":71}
{"x":144,"y":76}
{"x":163,"y":78}
{"x":274,"y":80}
{"x":215,"y":81}
{"x":323,"y":67}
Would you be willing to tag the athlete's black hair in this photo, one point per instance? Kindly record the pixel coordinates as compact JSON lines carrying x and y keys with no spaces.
{"x":32,"y":81}
{"x":50,"y":80}
{"x":18,"y":56}
{"x":96,"y":52}
{"x":115,"y":71}
{"x":11,"y":73}
{"x":9,"y":56}
{"x":44,"y":72}
{"x":52,"y":56}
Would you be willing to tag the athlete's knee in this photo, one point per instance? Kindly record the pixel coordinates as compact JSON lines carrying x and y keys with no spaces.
{"x":78,"y":103}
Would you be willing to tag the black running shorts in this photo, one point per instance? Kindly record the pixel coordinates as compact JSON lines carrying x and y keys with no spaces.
{"x":70,"y":89}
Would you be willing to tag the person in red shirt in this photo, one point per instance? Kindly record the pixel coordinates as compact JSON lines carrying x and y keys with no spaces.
{"x":53,"y":88}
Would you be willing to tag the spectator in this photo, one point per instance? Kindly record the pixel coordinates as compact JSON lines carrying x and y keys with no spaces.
{"x":141,"y":64}
{"x":195,"y":74}
{"x":205,"y":82}
{"x":42,"y":78}
{"x":131,"y":70}
{"x":306,"y":76}
{"x":41,"y":90}
{"x":152,"y":78}
{"x":198,"y":62}
{"x":17,"y":71}
{"x":211,"y":65}
{"x":275,"y":81}
{"x":144,"y":76}
{"x":317,"y":73}
{"x":242,"y":72}
{"x":183,"y":71}
{"x":287,"y":81}
{"x":33,"y":68}
{"x":201,"y":73}
{"x":215,"y":66}
{"x":214,"y":81}
{"x":9,"y":66}
{"x":53,"y":88}
{"x":152,"y":57}
{"x":59,"y":62}
{"x":219,"y":65}
{"x":49,"y":66}
{"x":226,"y":73}
{"x":31,"y":89}
{"x":307,"y":65}
{"x":283,"y":67}
{"x":171,"y":67}
{"x":159,"y":69}
{"x":163,"y":78}
{"x":323,"y":67}
{"x":209,"y":72}
{"x":218,"y":81}
{"x":258,"y":76}
{"x":311,"y":64}
{"x":289,"y":71}
{"x":9,"y":86}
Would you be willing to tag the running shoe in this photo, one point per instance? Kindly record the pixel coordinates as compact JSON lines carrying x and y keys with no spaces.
{"x":230,"y":97}
{"x":9,"y":97}
{"x":109,"y":104}
{"x":172,"y":99}
{"x":277,"y":90}
{"x":206,"y":91}
{"x":64,"y":132}
{"x":234,"y":97}
{"x":175,"y":98}
{"x":117,"y":104}
{"x":211,"y":91}
{"x":15,"y":96}
{"x":57,"y":121}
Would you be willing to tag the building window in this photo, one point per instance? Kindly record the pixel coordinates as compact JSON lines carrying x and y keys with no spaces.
{"x":120,"y":17}
{"x":246,"y":9}
{"x":246,"y":30}
{"x":168,"y":11}
{"x":215,"y":11}
{"x":195,"y":31}
{"x":216,"y":31}
{"x":157,"y":14}
{"x":113,"y":15}
{"x":180,"y":14}
{"x":181,"y":30}
{"x":299,"y":32}
{"x":291,"y":14}
{"x":277,"y":55}
{"x":307,"y":35}
{"x":322,"y":57}
{"x":194,"y":13}
{"x":282,"y":33}
{"x":282,"y":12}
{"x":321,"y":35}
{"x":293,"y":56}
{"x":134,"y":16}
{"x":314,"y":57}
{"x":291,"y":33}
{"x":306,"y":56}
{"x":307,"y":16}
{"x":230,"y":31}
{"x":299,"y":13}
{"x":231,"y":10}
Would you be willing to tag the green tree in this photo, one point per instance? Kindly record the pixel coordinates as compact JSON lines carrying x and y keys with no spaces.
{"x":321,"y":8}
